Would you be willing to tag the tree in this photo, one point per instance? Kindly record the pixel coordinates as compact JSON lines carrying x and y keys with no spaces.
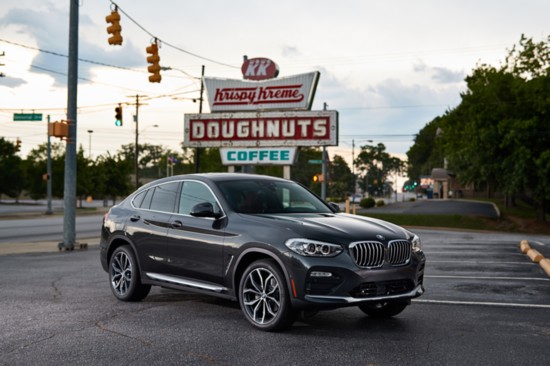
{"x":497,"y":138}
{"x":11,"y":170}
{"x":114,"y":171}
{"x":341,"y":183}
{"x":426,"y":152}
{"x":376,"y":165}
{"x":36,"y":167}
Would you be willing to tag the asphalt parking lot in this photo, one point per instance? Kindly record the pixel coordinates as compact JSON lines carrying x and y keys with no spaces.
{"x":486,"y":303}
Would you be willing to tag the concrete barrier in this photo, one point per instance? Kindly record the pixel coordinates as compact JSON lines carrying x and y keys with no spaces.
{"x":545,"y":264}
{"x":534,"y":255}
{"x":524,"y":246}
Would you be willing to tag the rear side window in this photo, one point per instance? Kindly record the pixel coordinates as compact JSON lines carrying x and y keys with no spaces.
{"x":164,"y":197}
{"x":143,"y":199}
{"x":160,"y":198}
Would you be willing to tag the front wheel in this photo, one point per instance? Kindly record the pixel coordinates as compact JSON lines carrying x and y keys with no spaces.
{"x":124,"y":276}
{"x":383,"y":309}
{"x":264,"y":298}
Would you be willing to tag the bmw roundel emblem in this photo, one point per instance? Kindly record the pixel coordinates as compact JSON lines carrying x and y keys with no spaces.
{"x":380,"y":237}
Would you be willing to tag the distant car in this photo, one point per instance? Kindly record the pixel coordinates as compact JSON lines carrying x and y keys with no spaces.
{"x":268,"y":243}
{"x":355,"y":198}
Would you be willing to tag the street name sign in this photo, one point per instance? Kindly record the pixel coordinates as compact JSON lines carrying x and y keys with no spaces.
{"x":27,"y":117}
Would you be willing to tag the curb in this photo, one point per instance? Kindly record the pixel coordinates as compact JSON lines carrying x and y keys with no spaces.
{"x":535,"y":256}
{"x":44,"y":246}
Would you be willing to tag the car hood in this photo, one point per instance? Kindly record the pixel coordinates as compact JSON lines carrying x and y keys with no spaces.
{"x":341,"y":227}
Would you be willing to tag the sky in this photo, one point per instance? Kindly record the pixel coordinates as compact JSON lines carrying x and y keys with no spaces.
{"x":388,"y":67}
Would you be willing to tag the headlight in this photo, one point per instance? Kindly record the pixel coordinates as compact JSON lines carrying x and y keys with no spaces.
{"x":313,"y":248}
{"x":416,"y":244}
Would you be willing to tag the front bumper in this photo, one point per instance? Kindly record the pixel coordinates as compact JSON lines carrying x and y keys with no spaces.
{"x":350,"y":284}
{"x":335,"y":300}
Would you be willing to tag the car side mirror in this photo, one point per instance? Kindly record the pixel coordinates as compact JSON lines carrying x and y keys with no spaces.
{"x":204,"y":209}
{"x":334,"y":207}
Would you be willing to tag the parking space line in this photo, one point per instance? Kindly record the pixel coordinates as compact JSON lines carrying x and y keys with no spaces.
{"x":428,"y":252}
{"x":481,"y":303}
{"x":491,"y":278}
{"x":486,"y":262}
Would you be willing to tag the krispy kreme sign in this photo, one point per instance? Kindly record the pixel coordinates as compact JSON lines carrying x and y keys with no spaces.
{"x":299,"y":128}
{"x":293,"y":92}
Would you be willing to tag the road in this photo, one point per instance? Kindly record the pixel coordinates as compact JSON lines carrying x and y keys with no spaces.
{"x":486,"y":304}
{"x":47,"y":228}
{"x":440,"y":207}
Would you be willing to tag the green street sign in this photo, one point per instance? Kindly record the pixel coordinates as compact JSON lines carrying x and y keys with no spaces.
{"x":27,"y":116}
{"x":315,"y":161}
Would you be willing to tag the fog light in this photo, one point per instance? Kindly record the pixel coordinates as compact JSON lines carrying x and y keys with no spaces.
{"x":320,"y":274}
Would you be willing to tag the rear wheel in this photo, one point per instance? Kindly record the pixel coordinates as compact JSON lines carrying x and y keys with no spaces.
{"x":383,"y":309}
{"x":264,"y":298}
{"x":124,"y":276}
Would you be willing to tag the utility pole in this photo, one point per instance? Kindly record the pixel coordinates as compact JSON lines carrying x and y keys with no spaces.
{"x":69,"y":211}
{"x":136,"y":150}
{"x":324,"y":166}
{"x":353,"y":166}
{"x":49,"y":171}
{"x":198,"y":149}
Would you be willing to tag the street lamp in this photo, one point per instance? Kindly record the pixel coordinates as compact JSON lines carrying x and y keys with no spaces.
{"x":90,"y":144}
{"x":137,"y":152}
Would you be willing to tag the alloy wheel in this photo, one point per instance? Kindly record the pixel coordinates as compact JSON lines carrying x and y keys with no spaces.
{"x":261,"y":296}
{"x":121,"y":273}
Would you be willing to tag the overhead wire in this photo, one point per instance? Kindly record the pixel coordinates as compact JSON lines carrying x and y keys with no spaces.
{"x":163,"y":42}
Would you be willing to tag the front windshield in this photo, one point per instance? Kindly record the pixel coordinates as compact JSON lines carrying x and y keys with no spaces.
{"x":255,"y":196}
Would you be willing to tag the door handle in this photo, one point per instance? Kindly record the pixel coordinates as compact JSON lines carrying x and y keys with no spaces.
{"x":177,"y":224}
{"x":135,"y":218}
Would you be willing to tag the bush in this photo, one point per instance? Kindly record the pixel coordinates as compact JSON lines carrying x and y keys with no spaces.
{"x":380,"y":203}
{"x":367,"y":202}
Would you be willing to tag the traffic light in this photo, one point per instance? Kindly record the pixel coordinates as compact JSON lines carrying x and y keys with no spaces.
{"x":18,"y":144}
{"x":114,"y":28}
{"x":118,"y":116}
{"x":154,"y":59}
{"x":318,"y":178}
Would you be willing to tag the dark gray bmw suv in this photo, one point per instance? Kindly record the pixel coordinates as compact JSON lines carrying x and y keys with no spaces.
{"x":266,"y":242}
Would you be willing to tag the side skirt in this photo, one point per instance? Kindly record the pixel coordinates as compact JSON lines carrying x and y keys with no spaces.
{"x":184,"y":284}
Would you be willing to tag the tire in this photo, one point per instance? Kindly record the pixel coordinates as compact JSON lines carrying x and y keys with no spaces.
{"x":124,"y":276}
{"x":264,"y":297}
{"x":383,"y":309}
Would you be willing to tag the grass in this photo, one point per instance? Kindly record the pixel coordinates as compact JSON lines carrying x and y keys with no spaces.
{"x":447,"y":221}
{"x":518,"y":219}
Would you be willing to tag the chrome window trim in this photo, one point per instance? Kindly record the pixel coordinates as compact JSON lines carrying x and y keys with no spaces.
{"x":179,"y":191}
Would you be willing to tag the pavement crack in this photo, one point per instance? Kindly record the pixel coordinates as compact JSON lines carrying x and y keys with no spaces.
{"x":104,"y":328}
{"x":56,"y":291}
{"x":30,"y":344}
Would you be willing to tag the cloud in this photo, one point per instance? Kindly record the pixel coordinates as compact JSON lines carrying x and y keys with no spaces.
{"x":49,"y":26}
{"x":290,"y":52}
{"x":390,"y":111}
{"x":439,"y":74}
{"x":11,"y":82}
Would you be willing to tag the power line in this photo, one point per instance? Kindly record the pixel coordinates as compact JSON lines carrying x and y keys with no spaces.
{"x":169,"y":44}
{"x":66,"y":56}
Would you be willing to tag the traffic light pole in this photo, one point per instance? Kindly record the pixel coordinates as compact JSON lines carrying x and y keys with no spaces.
{"x":136,"y":160}
{"x":69,"y":211}
{"x":136,"y":148}
{"x":49,"y":172}
{"x":198,"y":149}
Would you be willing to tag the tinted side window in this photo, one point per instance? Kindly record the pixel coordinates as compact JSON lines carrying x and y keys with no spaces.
{"x":193,"y":193}
{"x":164,"y":197}
{"x":143,"y":200}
